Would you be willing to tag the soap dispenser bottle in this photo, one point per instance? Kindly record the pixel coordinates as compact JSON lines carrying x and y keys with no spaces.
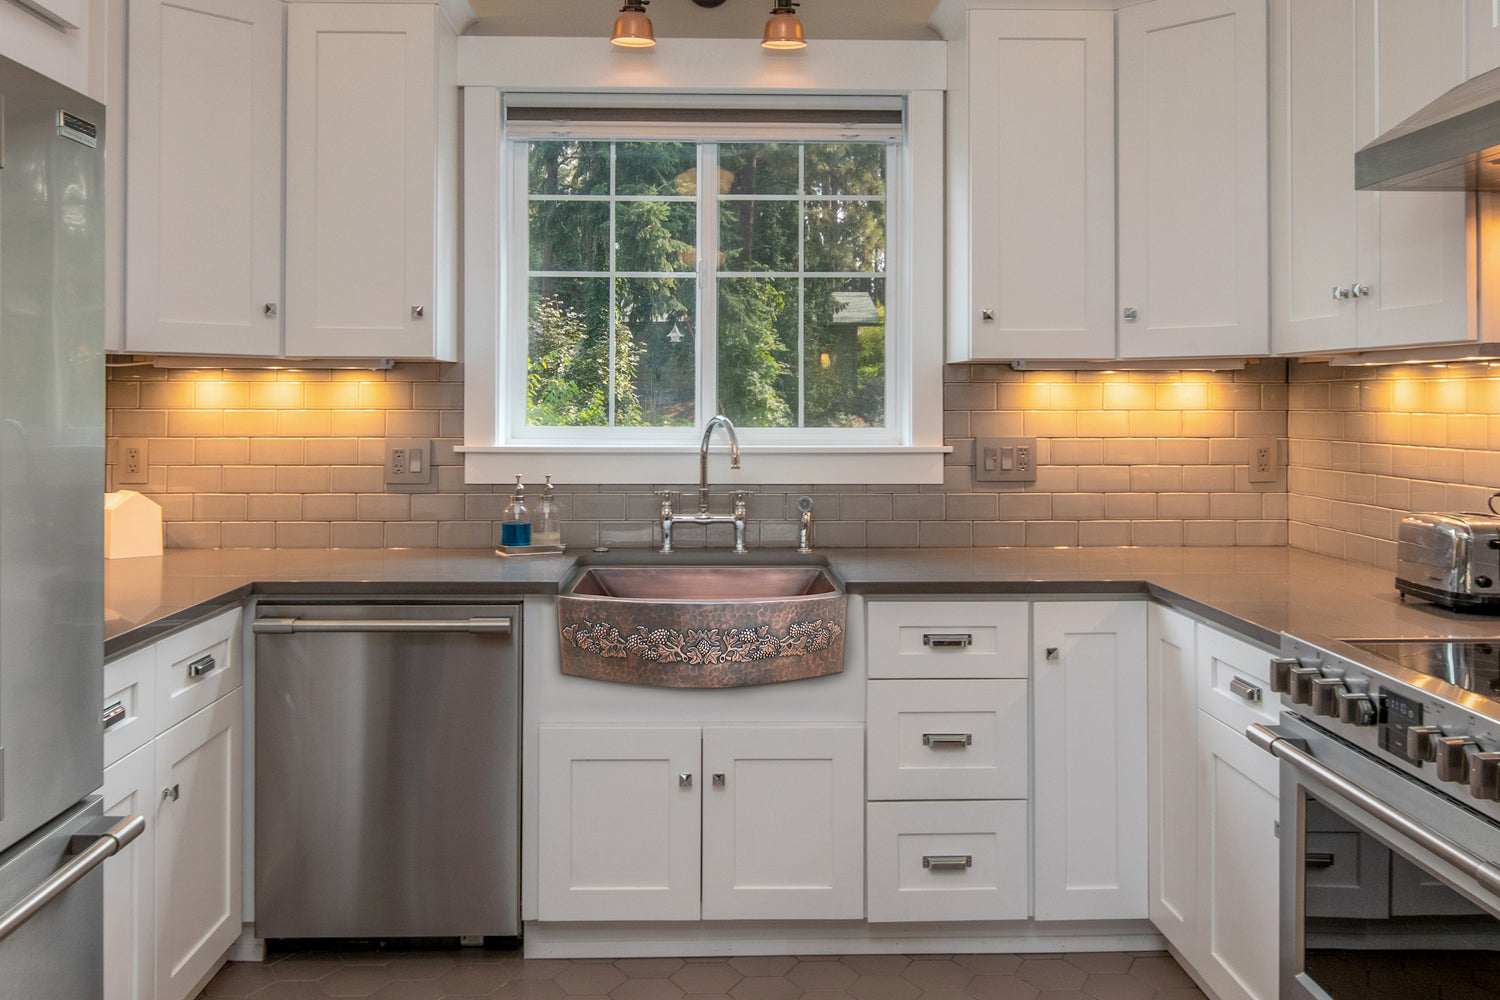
{"x":548,"y":532}
{"x":515,"y":530}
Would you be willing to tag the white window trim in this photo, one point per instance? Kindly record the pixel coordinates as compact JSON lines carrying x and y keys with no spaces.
{"x":490,"y":67}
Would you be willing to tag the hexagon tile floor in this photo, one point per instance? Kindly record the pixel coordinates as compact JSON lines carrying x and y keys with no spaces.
{"x":473,"y":973}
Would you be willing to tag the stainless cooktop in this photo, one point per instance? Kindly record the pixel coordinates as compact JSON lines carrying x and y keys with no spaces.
{"x":1471,"y":664}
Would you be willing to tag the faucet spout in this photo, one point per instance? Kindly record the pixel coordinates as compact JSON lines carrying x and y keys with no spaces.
{"x":734,"y":456}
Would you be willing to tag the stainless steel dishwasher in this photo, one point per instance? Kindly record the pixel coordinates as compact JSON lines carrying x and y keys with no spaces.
{"x":387,"y":768}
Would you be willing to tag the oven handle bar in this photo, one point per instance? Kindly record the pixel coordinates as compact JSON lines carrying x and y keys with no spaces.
{"x":1287,"y":750}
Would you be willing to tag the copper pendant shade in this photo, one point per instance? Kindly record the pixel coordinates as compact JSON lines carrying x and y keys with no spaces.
{"x":633,"y":27}
{"x":784,"y":30}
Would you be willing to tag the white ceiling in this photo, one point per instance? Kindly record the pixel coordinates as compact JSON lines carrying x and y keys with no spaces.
{"x":684,"y":19}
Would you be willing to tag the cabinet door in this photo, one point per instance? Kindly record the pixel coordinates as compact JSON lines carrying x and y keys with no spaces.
{"x":1414,"y":247}
{"x":362,"y":196}
{"x":1041,"y":185}
{"x":1172,"y":725}
{"x":783,"y":823}
{"x":1238,"y":858}
{"x":1484,"y":36}
{"x":1192,"y":179}
{"x":1089,"y":753}
{"x":198,"y":844}
{"x":1313,"y":201}
{"x":618,"y":815}
{"x":203,"y":233}
{"x":129,"y":883}
{"x":50,"y":48}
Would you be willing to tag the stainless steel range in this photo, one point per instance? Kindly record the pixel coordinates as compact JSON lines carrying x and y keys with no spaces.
{"x":1390,"y":818}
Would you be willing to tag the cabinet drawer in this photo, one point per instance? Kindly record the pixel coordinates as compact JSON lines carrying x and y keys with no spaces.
{"x":947,"y":739}
{"x":947,"y":861}
{"x":129,"y":708}
{"x":948,"y":638}
{"x":1231,"y":672}
{"x":196,"y":666}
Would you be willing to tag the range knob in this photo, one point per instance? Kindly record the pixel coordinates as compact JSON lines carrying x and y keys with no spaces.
{"x":1484,"y":775}
{"x":1325,"y":692}
{"x":1453,"y":758}
{"x":1356,"y":708}
{"x":1421,"y":742}
{"x":1302,"y":684}
{"x":1281,"y":673}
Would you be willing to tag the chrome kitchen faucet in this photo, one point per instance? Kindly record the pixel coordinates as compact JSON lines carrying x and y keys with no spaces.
{"x":668,"y":497}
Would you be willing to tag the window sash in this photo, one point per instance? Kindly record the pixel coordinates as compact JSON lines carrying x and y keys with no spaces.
{"x":513,"y":377}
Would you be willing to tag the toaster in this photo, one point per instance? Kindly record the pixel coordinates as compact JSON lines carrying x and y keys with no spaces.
{"x":1450,"y":559}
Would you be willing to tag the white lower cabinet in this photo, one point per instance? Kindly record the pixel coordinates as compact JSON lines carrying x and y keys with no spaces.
{"x":1238,"y":857}
{"x":198,"y":852}
{"x":1172,"y":724}
{"x":130,"y":883}
{"x":947,"y":861}
{"x":779,"y":809}
{"x":174,"y":754}
{"x":1089,"y":759}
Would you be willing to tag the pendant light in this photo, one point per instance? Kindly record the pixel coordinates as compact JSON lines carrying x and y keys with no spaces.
{"x":633,"y":27}
{"x":784,"y":30}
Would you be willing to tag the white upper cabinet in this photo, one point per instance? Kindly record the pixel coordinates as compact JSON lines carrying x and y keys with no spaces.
{"x":1032,"y":170}
{"x":1192,"y":179}
{"x":57,"y":38}
{"x":204,"y":179}
{"x":1484,"y":36}
{"x":371,"y":129}
{"x":1355,"y":270}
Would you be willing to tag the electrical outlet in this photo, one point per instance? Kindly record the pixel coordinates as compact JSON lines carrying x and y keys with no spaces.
{"x":1005,"y":460}
{"x":131,"y":466}
{"x":408,"y":462}
{"x":1265,"y":463}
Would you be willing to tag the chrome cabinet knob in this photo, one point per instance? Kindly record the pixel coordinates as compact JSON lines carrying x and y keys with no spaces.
{"x":1325,"y":692}
{"x":1052,"y":652}
{"x":171,"y":793}
{"x":988,"y":315}
{"x":417,"y":312}
{"x":1340,"y":293}
{"x":685,"y":780}
{"x":1130,"y":314}
{"x":1453,"y":758}
{"x":1484,"y":775}
{"x":270,"y":310}
{"x":1361,"y":291}
{"x":1421,"y":742}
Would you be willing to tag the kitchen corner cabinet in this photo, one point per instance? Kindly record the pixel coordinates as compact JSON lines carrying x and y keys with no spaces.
{"x":1032,"y":186}
{"x":780,"y":810}
{"x":371,"y":181}
{"x":1172,"y":729}
{"x":1089,"y":760}
{"x":173,"y":752}
{"x":1193,"y":265}
{"x":1358,"y":270}
{"x":204,"y":177}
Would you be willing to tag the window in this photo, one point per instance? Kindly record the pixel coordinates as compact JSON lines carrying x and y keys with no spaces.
{"x":614,"y":301}
{"x":652,"y":299}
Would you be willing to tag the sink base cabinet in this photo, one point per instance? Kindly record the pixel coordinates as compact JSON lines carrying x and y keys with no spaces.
{"x":620,"y":810}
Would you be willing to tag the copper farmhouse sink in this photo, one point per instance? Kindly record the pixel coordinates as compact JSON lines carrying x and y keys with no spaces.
{"x":692,"y":626}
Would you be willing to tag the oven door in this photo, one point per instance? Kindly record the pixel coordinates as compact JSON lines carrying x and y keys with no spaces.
{"x":1388,"y":888}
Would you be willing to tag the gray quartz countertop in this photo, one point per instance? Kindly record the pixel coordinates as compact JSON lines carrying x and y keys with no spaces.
{"x":1258,"y":592}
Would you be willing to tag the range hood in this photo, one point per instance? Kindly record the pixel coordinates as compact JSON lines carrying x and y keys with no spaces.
{"x":1453,"y":144}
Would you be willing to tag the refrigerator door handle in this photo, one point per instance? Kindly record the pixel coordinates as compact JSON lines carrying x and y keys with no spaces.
{"x":95,"y":851}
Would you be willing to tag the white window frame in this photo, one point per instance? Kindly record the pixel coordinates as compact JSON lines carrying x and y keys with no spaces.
{"x":910,"y":450}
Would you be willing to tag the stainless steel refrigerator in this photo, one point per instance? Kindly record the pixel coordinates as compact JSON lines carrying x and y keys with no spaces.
{"x":52,"y":837}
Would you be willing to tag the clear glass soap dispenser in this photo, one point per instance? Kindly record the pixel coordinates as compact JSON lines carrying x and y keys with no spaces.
{"x":515,"y":530}
{"x":548,"y":530}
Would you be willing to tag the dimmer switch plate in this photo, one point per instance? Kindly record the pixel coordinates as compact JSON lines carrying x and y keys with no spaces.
{"x":408,"y":462}
{"x":1005,"y":460}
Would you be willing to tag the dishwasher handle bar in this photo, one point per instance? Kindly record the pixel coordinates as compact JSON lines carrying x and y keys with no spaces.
{"x":286,"y":626}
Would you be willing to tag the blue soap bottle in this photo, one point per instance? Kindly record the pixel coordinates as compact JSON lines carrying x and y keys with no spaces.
{"x":515,"y":530}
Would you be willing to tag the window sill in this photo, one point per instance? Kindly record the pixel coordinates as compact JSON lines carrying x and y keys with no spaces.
{"x":592,"y":464}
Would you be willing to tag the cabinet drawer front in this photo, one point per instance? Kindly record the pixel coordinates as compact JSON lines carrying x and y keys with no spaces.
{"x":947,"y":739}
{"x":129,"y":709}
{"x":947,"y":638}
{"x":947,"y":861}
{"x":197,"y":666}
{"x":1234,"y":680}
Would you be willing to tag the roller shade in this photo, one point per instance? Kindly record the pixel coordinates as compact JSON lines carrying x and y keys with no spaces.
{"x":703,"y":118}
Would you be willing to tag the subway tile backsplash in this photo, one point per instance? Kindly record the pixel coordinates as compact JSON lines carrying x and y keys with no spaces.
{"x":293,"y":459}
